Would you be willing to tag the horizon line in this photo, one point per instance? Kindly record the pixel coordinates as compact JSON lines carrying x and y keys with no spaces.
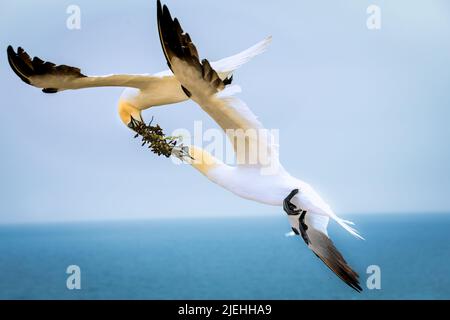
{"x":193,"y":217}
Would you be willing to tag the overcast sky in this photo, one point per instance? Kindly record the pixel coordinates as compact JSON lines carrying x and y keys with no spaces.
{"x":363,"y":115}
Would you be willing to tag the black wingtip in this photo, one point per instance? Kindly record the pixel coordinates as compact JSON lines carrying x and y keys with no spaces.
{"x":353,"y":282}
{"x":166,"y":9}
{"x":228,"y":80}
{"x":10,"y":52}
{"x":16,"y":64}
{"x":177,"y":43}
{"x":355,"y":286}
{"x":345,"y":273}
{"x":325,"y":250}
{"x":26,"y":68}
{"x":158,"y":5}
{"x":165,"y":22}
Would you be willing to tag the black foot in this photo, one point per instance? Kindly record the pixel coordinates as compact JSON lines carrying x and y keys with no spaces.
{"x":291,"y":210}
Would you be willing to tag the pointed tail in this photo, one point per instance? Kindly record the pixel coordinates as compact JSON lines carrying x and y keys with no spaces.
{"x":347,"y":226}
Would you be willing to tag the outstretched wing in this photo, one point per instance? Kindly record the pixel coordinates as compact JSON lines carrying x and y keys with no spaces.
{"x":53,"y":78}
{"x":252,"y":143}
{"x":325,"y":250}
{"x":182,"y":56}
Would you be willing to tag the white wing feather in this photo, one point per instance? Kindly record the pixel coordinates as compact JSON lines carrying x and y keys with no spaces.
{"x":225,"y":67}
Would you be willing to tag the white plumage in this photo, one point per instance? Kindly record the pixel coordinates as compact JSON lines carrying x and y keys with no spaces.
{"x":264,"y":181}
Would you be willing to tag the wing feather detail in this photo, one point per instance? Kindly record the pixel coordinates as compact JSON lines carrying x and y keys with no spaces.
{"x":52,"y":78}
{"x":253,"y":144}
{"x":325,"y":250}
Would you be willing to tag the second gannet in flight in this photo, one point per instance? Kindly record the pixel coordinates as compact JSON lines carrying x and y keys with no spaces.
{"x":142,"y":91}
{"x":307,"y":212}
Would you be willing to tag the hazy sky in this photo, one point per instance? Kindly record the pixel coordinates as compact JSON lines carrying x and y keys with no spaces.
{"x":363,"y":115}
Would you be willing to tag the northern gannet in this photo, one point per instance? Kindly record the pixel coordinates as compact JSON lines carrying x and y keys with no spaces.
{"x":142,"y":91}
{"x":307,"y":212}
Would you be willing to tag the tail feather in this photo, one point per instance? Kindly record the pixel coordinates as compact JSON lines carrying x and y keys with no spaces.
{"x":348,"y":222}
{"x":346,"y":225}
{"x":227,"y":65}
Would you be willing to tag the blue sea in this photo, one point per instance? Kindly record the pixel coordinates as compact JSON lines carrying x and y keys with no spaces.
{"x":222,"y":258}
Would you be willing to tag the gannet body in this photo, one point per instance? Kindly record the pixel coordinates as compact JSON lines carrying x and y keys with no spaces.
{"x":258,"y":175}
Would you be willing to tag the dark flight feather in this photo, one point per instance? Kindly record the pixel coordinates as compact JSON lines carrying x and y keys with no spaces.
{"x":178,"y":44}
{"x":325,"y":250}
{"x":26,"y":68}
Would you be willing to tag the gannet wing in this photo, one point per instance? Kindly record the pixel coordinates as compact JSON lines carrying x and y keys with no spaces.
{"x":226,"y":66}
{"x":252,"y":143}
{"x":53,"y":78}
{"x":325,"y":250}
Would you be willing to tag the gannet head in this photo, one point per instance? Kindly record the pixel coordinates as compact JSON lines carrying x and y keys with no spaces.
{"x":127,"y":111}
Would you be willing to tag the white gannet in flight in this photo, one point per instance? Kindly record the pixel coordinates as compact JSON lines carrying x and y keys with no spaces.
{"x":308,"y":214}
{"x":142,"y":91}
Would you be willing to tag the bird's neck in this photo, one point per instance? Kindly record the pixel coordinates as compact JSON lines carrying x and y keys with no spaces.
{"x":247,"y":182}
{"x":204,"y":162}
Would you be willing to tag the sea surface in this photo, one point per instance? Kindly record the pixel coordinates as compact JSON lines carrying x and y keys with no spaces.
{"x":222,"y":258}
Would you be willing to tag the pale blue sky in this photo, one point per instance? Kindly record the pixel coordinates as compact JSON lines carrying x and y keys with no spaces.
{"x":363,"y":115}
